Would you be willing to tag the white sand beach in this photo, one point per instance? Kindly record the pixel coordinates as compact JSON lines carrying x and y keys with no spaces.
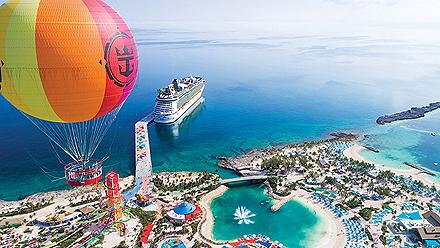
{"x":354,"y":153}
{"x":208,"y":223}
{"x":334,"y":232}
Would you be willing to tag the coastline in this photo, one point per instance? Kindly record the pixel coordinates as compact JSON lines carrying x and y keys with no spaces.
{"x":57,"y":198}
{"x":354,"y":153}
{"x":207,"y":225}
{"x":334,"y":231}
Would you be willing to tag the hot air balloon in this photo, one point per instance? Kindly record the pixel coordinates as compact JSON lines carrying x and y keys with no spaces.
{"x":68,"y":66}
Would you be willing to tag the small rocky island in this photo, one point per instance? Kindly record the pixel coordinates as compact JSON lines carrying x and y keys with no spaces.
{"x":413,"y":113}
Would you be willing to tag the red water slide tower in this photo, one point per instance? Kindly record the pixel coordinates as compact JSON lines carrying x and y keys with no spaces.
{"x":112,"y":185}
{"x":114,"y":198}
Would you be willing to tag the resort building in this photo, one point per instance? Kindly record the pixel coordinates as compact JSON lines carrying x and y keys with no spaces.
{"x":432,"y":218}
{"x":184,"y":212}
{"x":430,"y":236}
{"x":59,"y":218}
{"x":86,"y":211}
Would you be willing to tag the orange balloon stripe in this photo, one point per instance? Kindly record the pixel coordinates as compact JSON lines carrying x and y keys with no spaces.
{"x":72,"y":78}
{"x":106,"y":27}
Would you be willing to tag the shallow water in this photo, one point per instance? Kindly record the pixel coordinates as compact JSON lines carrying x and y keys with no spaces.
{"x":292,"y":225}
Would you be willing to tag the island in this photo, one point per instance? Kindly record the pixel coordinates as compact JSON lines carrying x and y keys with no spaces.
{"x":361,"y":202}
{"x":413,"y":113}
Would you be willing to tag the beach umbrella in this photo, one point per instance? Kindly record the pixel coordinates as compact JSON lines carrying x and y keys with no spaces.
{"x":68,"y":66}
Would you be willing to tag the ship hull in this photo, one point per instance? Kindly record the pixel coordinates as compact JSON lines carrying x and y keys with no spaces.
{"x":185,"y":110}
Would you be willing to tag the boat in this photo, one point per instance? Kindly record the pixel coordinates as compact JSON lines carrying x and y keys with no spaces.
{"x":433,"y":134}
{"x":435,"y":164}
{"x":177,"y":98}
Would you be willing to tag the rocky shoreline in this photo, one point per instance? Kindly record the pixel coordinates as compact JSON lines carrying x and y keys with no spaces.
{"x":248,"y":164}
{"x":413,"y":113}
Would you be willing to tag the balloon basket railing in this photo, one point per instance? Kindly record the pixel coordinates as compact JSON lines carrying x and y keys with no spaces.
{"x":80,"y":173}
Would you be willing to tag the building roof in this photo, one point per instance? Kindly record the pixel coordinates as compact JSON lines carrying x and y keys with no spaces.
{"x":432,"y":218}
{"x":11,"y":221}
{"x":184,"y":208}
{"x":86,"y":209}
{"x":429,"y":233}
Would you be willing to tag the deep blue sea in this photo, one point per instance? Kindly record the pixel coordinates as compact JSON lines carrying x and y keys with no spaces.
{"x":262,"y":89}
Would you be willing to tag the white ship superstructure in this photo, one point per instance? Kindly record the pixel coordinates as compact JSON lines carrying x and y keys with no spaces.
{"x":177,"y":98}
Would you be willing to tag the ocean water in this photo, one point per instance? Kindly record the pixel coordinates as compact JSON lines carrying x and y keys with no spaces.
{"x":293,"y":225}
{"x":263,"y":88}
{"x":415,"y":141}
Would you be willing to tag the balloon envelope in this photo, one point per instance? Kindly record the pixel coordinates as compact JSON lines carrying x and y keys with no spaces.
{"x":65,"y":60}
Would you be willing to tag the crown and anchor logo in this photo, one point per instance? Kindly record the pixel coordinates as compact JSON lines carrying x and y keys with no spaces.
{"x":120,"y":58}
{"x":126,"y":57}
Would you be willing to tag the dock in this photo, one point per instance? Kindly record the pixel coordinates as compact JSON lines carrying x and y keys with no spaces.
{"x":144,"y":171}
{"x":421,"y":169}
{"x":371,"y":148}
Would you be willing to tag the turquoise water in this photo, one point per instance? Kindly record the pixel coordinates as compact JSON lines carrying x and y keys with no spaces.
{"x":292,"y":225}
{"x":407,"y":141}
{"x":262,"y":89}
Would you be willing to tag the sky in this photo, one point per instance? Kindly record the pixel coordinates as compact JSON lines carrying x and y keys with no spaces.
{"x":277,"y":15}
{"x":420,"y":13}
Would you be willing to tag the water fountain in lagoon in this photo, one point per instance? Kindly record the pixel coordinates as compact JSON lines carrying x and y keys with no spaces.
{"x":243,"y":215}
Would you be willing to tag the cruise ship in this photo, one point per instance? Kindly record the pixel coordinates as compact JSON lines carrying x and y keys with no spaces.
{"x":180,"y":97}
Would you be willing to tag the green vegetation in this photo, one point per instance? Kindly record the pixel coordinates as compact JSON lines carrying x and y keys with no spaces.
{"x":85,"y":201}
{"x":383,"y":191}
{"x":354,"y":202}
{"x":27,"y":208}
{"x":383,"y":239}
{"x":369,"y":235}
{"x":366,"y":213}
{"x":146,"y":218}
{"x":386,"y":175}
{"x":122,"y":245}
{"x":180,"y":183}
{"x":70,"y":240}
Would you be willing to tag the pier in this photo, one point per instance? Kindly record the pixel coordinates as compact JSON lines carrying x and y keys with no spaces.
{"x":144,"y":166}
{"x":371,"y":148}
{"x":144,"y":172}
{"x":421,"y":169}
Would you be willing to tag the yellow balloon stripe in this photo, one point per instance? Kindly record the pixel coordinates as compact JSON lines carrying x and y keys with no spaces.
{"x":21,"y":65}
{"x":8,"y":89}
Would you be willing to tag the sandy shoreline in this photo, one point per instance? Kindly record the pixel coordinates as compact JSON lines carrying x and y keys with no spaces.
{"x":208,"y":224}
{"x":354,"y":153}
{"x":333,"y":237}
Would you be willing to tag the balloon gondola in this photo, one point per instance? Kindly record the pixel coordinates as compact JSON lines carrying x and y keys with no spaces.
{"x":79,"y":173}
{"x":68,"y":66}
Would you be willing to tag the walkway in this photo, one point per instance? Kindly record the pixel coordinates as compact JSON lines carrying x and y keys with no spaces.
{"x":244,"y":179}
